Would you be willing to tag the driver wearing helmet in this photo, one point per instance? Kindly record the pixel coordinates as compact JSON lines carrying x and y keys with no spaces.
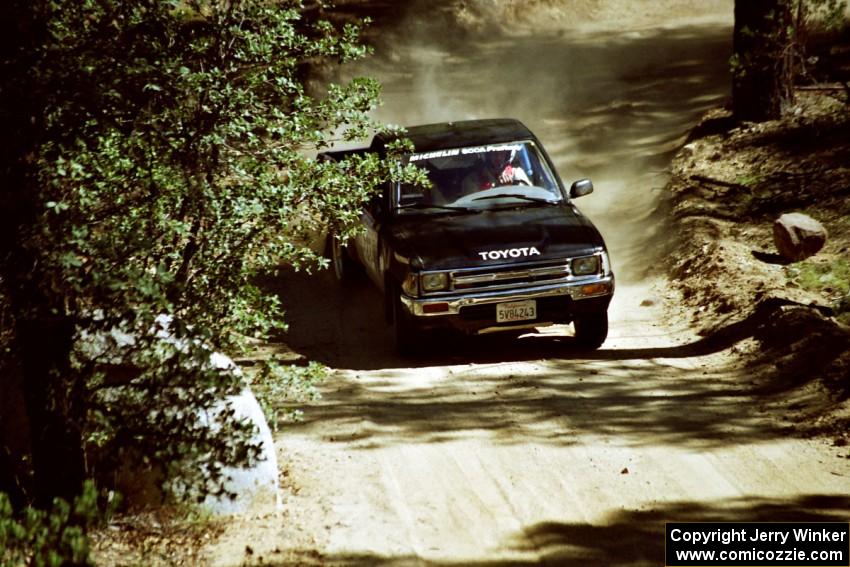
{"x":495,"y":170}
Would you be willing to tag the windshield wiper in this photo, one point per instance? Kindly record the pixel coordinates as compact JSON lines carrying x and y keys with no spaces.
{"x":420,"y":206}
{"x":516,"y":196}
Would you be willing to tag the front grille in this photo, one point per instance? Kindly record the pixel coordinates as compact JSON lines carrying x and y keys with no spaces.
{"x":510,"y":277}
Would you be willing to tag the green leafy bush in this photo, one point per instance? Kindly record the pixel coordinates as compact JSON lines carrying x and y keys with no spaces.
{"x":161,"y":162}
{"x":51,"y":538}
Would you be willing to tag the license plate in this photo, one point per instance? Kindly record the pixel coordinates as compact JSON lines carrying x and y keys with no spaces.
{"x":516,"y":311}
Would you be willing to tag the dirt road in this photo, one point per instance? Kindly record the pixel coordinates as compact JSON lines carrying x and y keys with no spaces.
{"x":527,"y":452}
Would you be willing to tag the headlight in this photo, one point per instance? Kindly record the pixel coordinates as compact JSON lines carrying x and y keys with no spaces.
{"x":435,"y":282}
{"x":585,"y":266}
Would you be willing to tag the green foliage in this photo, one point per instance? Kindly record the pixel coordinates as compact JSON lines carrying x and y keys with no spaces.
{"x":279,"y":389}
{"x":830,"y":278}
{"x":51,"y":538}
{"x":171,"y":167}
{"x":184,"y":171}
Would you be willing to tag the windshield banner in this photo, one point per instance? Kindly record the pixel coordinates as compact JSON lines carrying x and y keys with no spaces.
{"x":464,"y":151}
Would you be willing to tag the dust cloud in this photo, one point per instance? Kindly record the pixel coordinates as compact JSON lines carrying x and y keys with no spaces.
{"x":610,"y":88}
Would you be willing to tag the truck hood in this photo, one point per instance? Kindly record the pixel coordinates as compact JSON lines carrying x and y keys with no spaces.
{"x":494,"y":237}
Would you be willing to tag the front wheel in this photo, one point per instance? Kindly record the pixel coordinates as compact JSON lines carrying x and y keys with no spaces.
{"x":591,"y":329}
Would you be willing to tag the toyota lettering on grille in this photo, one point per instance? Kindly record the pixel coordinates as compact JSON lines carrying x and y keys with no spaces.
{"x":509,"y":253}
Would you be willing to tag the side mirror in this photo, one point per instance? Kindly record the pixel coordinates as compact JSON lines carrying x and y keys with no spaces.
{"x":581,"y":188}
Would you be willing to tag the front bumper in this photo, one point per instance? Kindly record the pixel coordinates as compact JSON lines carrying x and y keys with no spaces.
{"x":468,"y":311}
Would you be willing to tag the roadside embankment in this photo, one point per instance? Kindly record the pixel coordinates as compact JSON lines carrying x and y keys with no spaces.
{"x":729,"y":184}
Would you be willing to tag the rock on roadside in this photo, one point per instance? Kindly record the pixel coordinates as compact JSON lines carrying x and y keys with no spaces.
{"x":256,"y":487}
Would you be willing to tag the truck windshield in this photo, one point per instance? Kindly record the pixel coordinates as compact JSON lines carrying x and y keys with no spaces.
{"x":478,"y":177}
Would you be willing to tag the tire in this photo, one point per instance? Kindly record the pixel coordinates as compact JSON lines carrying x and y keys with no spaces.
{"x":343,"y":266}
{"x":407,"y":336}
{"x":591,"y":330}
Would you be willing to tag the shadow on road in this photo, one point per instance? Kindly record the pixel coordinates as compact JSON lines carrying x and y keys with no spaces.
{"x":643,"y":395}
{"x":628,"y":538}
{"x":344,"y":327}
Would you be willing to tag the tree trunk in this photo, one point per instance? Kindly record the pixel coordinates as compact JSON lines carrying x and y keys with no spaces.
{"x":43,"y":333}
{"x":55,"y":407}
{"x":762,"y":83}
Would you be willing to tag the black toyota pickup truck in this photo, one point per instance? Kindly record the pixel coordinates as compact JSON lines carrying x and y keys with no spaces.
{"x":495,"y":242}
